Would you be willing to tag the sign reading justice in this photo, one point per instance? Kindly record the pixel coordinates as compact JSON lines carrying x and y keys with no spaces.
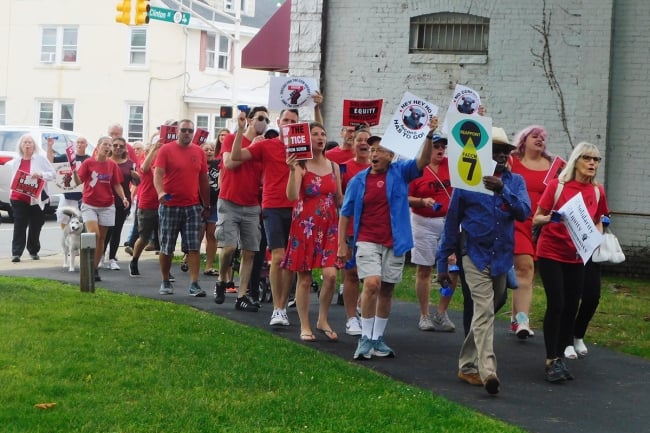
{"x":297,"y":139}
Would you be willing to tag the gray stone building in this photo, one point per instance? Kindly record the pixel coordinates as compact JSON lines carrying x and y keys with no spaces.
{"x":579,"y":68}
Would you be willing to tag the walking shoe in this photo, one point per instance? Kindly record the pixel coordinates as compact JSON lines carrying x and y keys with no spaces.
{"x":279,"y":317}
{"x":441,"y":323}
{"x":513,"y":326}
{"x":15,"y":259}
{"x":381,"y":349}
{"x":166,"y":288}
{"x":523,"y":326}
{"x":101,"y":262}
{"x":426,"y":324}
{"x":35,"y":256}
{"x":97,"y":277}
{"x":570,"y":353}
{"x":196,"y":291}
{"x":492,"y":384}
{"x":133,"y":269}
{"x":230,"y":287}
{"x":471,"y":378}
{"x":364,"y":349}
{"x":172,"y":278}
{"x":113,"y":265}
{"x":565,"y":371}
{"x":579,"y":346}
{"x":553,"y":372}
{"x":291,"y":303}
{"x":284,"y":317}
{"x":220,"y":292}
{"x":244,"y":304}
{"x":129,"y":250}
{"x":353,"y":326}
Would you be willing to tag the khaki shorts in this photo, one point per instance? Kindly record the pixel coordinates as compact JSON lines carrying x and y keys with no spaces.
{"x":238,"y":225}
{"x":377,"y":260}
{"x":105,"y":216}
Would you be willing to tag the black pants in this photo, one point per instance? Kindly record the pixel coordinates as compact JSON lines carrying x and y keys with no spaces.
{"x":589,"y":300}
{"x":26,"y":217}
{"x":114,"y":233}
{"x":563,"y":284}
{"x":258,"y":261}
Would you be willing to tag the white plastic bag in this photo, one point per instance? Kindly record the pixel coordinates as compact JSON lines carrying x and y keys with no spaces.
{"x":609,"y":250}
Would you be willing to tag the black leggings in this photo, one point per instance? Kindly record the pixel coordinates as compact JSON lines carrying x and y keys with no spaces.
{"x":114,"y":233}
{"x":590,"y":299}
{"x":563,"y":284}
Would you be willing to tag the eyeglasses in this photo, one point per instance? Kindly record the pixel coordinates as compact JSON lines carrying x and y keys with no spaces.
{"x":262,"y":119}
{"x":187,"y":130}
{"x":119,"y":146}
{"x":591,"y":158}
{"x":439,"y":146}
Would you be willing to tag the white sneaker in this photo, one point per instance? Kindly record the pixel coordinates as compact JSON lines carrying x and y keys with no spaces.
{"x":426,"y":324}
{"x":523,"y":326}
{"x":101,"y":263}
{"x":114,"y":266}
{"x":279,"y":317}
{"x":570,"y":353}
{"x":442,"y":323}
{"x":353,"y":326}
{"x":285,"y":318}
{"x":579,"y":345}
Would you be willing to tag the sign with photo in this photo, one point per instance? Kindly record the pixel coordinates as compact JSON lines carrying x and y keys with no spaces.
{"x":291,"y":92}
{"x":464,"y":101}
{"x":63,"y":180}
{"x":24,"y":183}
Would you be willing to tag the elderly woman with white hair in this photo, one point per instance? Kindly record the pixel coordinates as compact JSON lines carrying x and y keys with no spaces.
{"x":560,"y":267}
{"x":29,"y":171}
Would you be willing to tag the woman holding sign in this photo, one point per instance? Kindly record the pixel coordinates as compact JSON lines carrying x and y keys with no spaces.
{"x":313,"y":237}
{"x":29,"y":173}
{"x":561,"y":268}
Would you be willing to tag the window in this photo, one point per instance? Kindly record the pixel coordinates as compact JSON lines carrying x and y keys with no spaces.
{"x":229,"y":5}
{"x":202,"y":121}
{"x":57,"y":114}
{"x":217,"y":56}
{"x":59,"y":45}
{"x":219,"y":123}
{"x":138,"y":50}
{"x":449,"y":33}
{"x":135,"y":127}
{"x":3,"y":112}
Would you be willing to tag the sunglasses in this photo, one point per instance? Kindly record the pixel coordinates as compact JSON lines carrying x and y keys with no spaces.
{"x":187,"y":130}
{"x":591,"y":158}
{"x":119,"y":146}
{"x":262,"y":119}
{"x":439,"y":146}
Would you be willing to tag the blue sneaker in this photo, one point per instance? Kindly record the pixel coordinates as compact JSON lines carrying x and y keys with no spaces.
{"x":364,"y":349}
{"x":381,"y":349}
{"x":196,"y":291}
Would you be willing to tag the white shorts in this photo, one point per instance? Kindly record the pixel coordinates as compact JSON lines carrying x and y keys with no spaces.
{"x":105,"y":216}
{"x":426,"y":235}
{"x":377,"y":260}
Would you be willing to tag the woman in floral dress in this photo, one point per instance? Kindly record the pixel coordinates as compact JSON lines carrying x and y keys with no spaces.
{"x":316,"y":185}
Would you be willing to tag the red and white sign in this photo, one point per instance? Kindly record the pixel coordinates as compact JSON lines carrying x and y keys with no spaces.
{"x":297,"y":139}
{"x":71,"y":153}
{"x":200,"y":136}
{"x":556,"y":167}
{"x":362,"y":112}
{"x":24,"y":183}
{"x":168,"y":133}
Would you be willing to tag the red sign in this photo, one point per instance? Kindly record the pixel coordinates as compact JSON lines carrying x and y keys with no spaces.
{"x":200,"y":136}
{"x":556,"y":167}
{"x":362,"y":112}
{"x":168,"y":133}
{"x":24,"y":183}
{"x":297,"y":139}
{"x":71,"y":153}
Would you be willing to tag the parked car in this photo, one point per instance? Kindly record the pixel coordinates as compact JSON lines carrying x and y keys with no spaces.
{"x":9,"y":136}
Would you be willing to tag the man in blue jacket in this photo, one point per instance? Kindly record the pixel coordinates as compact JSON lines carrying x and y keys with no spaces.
{"x":377,"y":198}
{"x":487,"y":254}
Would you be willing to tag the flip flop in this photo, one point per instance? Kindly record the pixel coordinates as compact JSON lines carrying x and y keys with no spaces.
{"x":211,"y":272}
{"x":331,"y":335}
{"x":308,"y":337}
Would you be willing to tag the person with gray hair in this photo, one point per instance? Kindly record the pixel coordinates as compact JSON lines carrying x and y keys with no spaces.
{"x":28,"y":210}
{"x":560,"y":267}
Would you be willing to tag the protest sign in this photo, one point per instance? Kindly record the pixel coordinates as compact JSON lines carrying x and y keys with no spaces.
{"x":469,"y":149}
{"x":464,"y":101}
{"x":200,"y":136}
{"x":71,"y":153}
{"x":409,"y":126}
{"x":63,"y":180}
{"x":24,"y":183}
{"x":291,"y":92}
{"x":556,"y":167}
{"x":168,"y":133}
{"x":362,"y":112}
{"x":297,"y":139}
{"x":581,"y":227}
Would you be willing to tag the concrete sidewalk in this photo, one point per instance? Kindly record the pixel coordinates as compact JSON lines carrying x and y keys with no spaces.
{"x":610,"y":392}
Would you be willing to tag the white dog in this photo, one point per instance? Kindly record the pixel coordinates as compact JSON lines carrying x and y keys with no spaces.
{"x":71,"y":241}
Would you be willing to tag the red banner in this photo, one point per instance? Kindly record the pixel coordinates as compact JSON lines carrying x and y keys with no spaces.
{"x":200,"y":136}
{"x":362,"y":112}
{"x":556,"y":167}
{"x":24,"y":183}
{"x":297,"y":139}
{"x":168,"y":133}
{"x":71,"y":153}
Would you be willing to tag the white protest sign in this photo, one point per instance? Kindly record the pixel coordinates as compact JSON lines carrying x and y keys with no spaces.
{"x":583,"y":232}
{"x":469,"y":150}
{"x":291,"y":92}
{"x":63,"y":180}
{"x":409,"y":125}
{"x":464,"y":101}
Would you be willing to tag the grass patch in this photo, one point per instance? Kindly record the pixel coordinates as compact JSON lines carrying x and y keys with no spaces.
{"x":117,"y":363}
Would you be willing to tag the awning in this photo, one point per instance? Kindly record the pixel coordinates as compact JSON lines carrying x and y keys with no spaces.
{"x":269,"y":48}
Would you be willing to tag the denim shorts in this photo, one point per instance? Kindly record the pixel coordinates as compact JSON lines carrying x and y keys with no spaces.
{"x":277,"y":223}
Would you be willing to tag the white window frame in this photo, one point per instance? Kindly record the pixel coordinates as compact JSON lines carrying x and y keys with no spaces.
{"x":136,"y":50}
{"x":217,"y":124}
{"x":58,"y":120}
{"x":215,"y":58}
{"x":56,"y":53}
{"x":134,"y":130}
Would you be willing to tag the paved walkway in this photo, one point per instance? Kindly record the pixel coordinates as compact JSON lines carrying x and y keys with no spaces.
{"x":610,"y":392}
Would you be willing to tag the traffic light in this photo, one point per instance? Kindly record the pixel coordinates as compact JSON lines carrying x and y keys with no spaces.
{"x":225,"y":112}
{"x":142,"y":12}
{"x":124,"y":15}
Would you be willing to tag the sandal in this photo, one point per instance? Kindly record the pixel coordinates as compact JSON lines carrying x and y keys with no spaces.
{"x":212,"y":272}
{"x":308,"y":337}
{"x":331,"y":335}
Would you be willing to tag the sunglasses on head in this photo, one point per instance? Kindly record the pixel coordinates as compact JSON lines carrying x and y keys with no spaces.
{"x":591,"y":158}
{"x":262,"y":119}
{"x":186,"y":130}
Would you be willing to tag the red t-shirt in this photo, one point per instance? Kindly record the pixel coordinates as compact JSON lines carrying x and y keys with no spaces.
{"x":554,"y":241}
{"x":439,"y":188}
{"x":339,"y":155}
{"x":241,"y":184}
{"x":182,"y":166}
{"x":98,"y":179}
{"x":147,"y":195}
{"x":375,"y":217}
{"x":25,"y":165}
{"x":273,"y":155}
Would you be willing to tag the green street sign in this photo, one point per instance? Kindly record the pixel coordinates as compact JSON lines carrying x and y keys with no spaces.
{"x":169,"y":15}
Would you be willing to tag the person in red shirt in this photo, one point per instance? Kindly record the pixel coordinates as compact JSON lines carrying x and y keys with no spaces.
{"x":344,"y":151}
{"x":101,"y":177}
{"x":181,"y":182}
